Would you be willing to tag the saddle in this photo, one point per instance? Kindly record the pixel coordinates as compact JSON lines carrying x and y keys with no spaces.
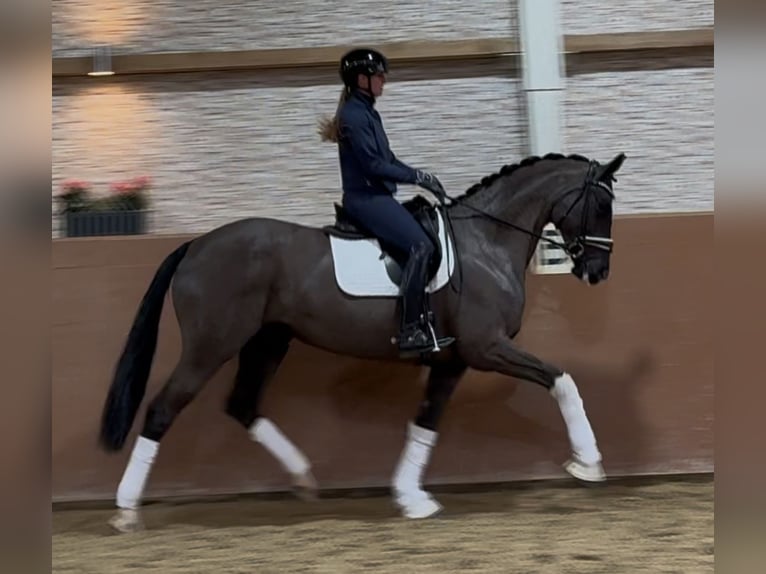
{"x":425,"y":215}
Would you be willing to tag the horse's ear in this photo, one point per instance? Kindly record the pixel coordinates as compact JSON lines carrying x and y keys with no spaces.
{"x":608,"y":171}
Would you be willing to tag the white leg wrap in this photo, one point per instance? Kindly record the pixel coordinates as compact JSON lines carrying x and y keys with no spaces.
{"x":581,"y":435}
{"x":289,"y":456}
{"x":131,"y":489}
{"x":414,"y":458}
{"x":408,"y":493}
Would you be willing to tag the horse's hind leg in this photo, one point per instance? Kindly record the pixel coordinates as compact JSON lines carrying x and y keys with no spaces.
{"x":259,"y":360}
{"x":187,"y":379}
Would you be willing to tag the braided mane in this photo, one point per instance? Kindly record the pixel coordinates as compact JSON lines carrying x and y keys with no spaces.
{"x":510,"y":168}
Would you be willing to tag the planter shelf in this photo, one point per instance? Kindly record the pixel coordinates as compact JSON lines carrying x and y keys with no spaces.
{"x":94,"y":223}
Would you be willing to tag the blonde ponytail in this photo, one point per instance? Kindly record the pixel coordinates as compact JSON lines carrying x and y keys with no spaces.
{"x":329,"y":128}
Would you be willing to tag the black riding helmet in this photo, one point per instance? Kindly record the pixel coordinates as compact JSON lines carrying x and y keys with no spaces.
{"x":361,"y":61}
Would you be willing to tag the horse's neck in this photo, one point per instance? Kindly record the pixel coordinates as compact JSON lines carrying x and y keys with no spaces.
{"x":525,"y":202}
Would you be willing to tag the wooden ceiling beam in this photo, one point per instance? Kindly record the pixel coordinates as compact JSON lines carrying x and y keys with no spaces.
{"x":410,"y":51}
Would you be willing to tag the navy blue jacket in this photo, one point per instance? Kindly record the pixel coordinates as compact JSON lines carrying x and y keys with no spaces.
{"x":367,"y":164}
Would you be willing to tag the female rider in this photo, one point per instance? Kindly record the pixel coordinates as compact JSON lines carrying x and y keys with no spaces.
{"x":369,"y":174}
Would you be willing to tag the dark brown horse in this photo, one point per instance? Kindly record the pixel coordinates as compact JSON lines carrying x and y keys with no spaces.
{"x":248,"y":288}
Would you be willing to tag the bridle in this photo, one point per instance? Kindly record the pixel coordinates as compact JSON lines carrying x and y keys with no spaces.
{"x":575,"y":248}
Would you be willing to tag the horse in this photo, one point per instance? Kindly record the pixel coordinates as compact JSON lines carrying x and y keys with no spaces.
{"x":248,"y":288}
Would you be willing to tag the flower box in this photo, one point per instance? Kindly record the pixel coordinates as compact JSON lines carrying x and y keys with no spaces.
{"x":123,"y":212}
{"x":93,"y":223}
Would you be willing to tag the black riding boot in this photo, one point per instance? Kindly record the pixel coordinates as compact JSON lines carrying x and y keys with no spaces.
{"x":413,"y":336}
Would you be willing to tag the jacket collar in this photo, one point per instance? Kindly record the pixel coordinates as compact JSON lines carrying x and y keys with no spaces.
{"x":364,"y":96}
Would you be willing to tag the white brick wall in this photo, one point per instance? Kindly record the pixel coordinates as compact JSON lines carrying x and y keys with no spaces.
{"x":663,"y":120}
{"x":224,"y":146}
{"x":178,"y":25}
{"x":221,"y":149}
{"x":607,"y":16}
{"x":175,"y":25}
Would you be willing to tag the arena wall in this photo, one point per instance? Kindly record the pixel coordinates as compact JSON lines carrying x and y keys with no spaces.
{"x":640,"y":347}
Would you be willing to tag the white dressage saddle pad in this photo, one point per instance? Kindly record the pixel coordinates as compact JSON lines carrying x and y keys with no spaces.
{"x":360,"y":271}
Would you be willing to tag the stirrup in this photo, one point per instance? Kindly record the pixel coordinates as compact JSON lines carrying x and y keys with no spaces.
{"x":437,"y":344}
{"x":436,"y":347}
{"x":443,"y":341}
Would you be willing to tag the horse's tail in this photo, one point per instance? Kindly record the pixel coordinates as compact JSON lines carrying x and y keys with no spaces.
{"x":132,"y":371}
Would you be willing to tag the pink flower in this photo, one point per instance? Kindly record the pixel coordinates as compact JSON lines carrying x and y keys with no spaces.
{"x":132,"y":186}
{"x":73,"y":185}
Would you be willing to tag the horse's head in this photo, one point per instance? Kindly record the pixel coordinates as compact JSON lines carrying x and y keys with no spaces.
{"x":583,"y":215}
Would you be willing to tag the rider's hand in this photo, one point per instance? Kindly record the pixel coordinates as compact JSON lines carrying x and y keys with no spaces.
{"x":430,"y":182}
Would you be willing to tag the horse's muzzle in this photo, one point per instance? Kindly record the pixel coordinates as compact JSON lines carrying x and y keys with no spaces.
{"x":592,"y":271}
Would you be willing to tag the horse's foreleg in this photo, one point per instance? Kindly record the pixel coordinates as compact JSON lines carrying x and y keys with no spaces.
{"x":259,"y":360}
{"x":507,"y":359}
{"x":421,"y":438}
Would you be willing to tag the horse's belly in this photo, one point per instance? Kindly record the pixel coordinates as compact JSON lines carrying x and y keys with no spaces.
{"x":309,"y":300}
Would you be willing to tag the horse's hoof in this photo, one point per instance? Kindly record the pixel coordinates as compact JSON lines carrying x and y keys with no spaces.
{"x":305,"y":486}
{"x":126,"y":521}
{"x":418,"y":506}
{"x":585,"y":472}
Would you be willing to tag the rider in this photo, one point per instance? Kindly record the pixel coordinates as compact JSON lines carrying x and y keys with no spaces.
{"x":369,"y":173}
